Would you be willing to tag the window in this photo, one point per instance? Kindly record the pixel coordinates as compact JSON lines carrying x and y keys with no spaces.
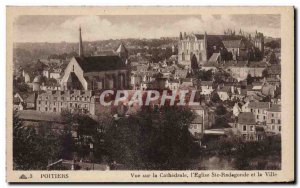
{"x":55,"y":98}
{"x":62,"y":98}
{"x":279,"y":121}
{"x":85,"y":106}
{"x":61,"y":103}
{"x":264,"y":117}
{"x":279,"y":128}
{"x":39,"y":102}
{"x":258,"y":111}
{"x":195,"y":126}
{"x":244,"y":128}
{"x":54,"y":103}
{"x":39,"y":109}
{"x":73,"y":68}
{"x":272,"y":120}
{"x":46,"y":102}
{"x":46,"y":109}
{"x":273,"y":127}
{"x":251,"y":128}
{"x":272,"y":114}
{"x":71,"y":104}
{"x":251,"y":110}
{"x":54,"y":109}
{"x":257,"y":117}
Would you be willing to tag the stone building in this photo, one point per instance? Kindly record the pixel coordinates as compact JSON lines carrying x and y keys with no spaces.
{"x":196,"y":49}
{"x":96,"y":72}
{"x":87,"y":102}
{"x":273,"y":115}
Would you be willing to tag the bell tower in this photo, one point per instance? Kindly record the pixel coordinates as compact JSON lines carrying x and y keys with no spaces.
{"x":80,"y":44}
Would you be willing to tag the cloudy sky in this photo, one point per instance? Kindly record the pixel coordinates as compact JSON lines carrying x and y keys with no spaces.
{"x":65,"y":28}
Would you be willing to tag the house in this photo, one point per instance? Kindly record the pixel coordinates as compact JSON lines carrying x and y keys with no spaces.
{"x":237,"y":47}
{"x":135,"y":80}
{"x":172,"y":84}
{"x":259,"y":110}
{"x":274,"y":71}
{"x":224,"y":93}
{"x":186,"y":83}
{"x":26,"y":77}
{"x":25,"y":101}
{"x":206,"y":87}
{"x":274,"y":119}
{"x":180,"y":74}
{"x":82,"y":101}
{"x":204,"y":119}
{"x":212,"y":66}
{"x":241,"y":69}
{"x":247,"y":127}
{"x":196,"y":127}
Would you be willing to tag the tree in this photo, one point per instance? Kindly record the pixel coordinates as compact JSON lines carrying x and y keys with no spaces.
{"x":204,"y":75}
{"x":265,"y":73}
{"x":215,"y":97}
{"x":250,"y":79}
{"x":220,"y":110}
{"x":152,"y":139}
{"x":30,"y":150}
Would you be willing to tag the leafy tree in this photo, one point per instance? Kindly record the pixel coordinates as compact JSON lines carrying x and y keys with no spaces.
{"x":250,"y":79}
{"x":215,"y":97}
{"x":152,"y":139}
{"x":221,"y":110}
{"x":204,"y":75}
{"x":32,"y":151}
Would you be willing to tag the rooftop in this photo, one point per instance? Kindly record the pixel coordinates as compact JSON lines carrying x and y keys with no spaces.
{"x":259,"y":105}
{"x":100,"y":63}
{"x":246,"y":118}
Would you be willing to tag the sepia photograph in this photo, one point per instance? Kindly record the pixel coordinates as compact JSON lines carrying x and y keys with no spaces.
{"x":170,"y":93}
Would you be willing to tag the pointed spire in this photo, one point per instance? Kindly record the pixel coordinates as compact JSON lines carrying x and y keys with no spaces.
{"x":180,"y":36}
{"x":80,"y":44}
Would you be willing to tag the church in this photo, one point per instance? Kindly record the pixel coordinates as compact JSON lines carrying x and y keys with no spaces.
{"x":96,"y":72}
{"x":196,"y":49}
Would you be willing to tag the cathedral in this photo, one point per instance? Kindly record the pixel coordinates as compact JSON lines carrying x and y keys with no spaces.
{"x":196,"y":49}
{"x":96,"y":72}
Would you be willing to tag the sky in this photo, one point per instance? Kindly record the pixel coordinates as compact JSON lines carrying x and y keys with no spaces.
{"x":54,"y":28}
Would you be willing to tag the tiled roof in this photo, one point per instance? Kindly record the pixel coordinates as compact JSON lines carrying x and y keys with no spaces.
{"x":232,"y":43}
{"x":210,"y":64}
{"x":39,"y":116}
{"x":206,"y":83}
{"x":214,"y":57}
{"x":275,"y":108}
{"x":181,"y":73}
{"x":225,"y":89}
{"x":246,"y":118}
{"x":197,"y":120}
{"x":100,"y":63}
{"x":259,"y":105}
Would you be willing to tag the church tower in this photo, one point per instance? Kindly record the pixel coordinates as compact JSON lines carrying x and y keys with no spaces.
{"x":80,"y":44}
